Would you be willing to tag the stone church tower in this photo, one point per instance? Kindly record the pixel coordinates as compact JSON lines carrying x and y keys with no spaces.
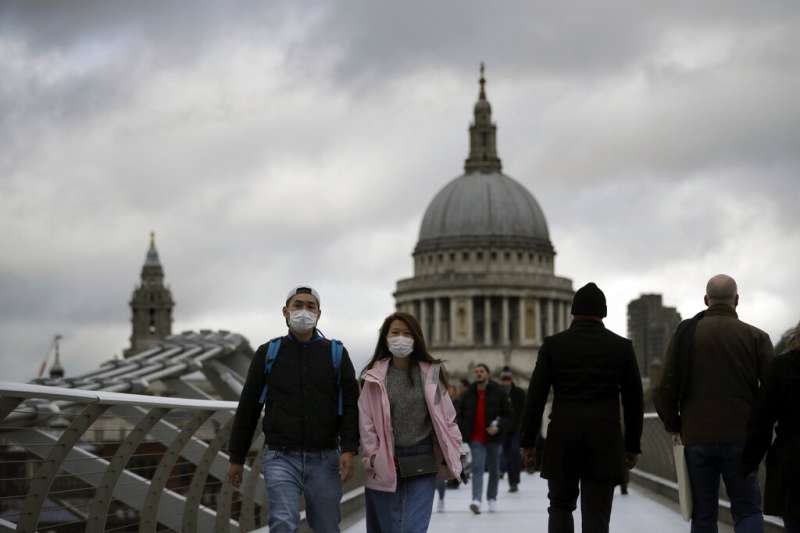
{"x":151,"y":305}
{"x":484,"y":287}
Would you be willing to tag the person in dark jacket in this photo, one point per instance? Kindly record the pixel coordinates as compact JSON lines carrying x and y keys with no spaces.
{"x":309,"y":446}
{"x":484,"y":415}
{"x":511,"y":458}
{"x":714,"y":368}
{"x":779,"y":403}
{"x":589,"y":369}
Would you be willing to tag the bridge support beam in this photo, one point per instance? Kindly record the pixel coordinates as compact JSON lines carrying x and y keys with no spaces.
{"x":201,"y":476}
{"x":46,"y":473}
{"x":98,"y":509}
{"x":149,"y":521}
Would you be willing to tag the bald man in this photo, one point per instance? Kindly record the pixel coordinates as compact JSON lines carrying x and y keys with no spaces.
{"x":715,"y":366}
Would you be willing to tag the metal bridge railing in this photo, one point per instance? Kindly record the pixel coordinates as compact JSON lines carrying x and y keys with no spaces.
{"x":93,"y":461}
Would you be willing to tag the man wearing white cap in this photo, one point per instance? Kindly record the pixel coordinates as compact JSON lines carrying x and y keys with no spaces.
{"x":307,"y":387}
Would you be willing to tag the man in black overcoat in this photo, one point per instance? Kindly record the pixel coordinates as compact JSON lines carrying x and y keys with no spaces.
{"x":589,"y":369}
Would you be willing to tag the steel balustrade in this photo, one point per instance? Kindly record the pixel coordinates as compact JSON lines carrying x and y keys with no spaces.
{"x":28,"y":420}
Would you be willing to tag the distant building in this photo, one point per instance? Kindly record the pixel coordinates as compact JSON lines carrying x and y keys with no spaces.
{"x":650,"y":327}
{"x":484,"y":286}
{"x":151,"y":305}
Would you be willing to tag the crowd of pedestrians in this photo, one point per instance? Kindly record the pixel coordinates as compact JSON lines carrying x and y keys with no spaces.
{"x":722,"y":395}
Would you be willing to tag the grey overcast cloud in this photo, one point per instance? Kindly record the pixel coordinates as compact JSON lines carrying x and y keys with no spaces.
{"x":275,"y":143}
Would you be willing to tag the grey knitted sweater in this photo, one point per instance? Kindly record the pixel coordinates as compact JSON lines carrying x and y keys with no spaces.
{"x":411,"y":422}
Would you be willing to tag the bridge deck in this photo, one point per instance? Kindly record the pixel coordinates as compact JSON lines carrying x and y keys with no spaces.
{"x":526,"y":510}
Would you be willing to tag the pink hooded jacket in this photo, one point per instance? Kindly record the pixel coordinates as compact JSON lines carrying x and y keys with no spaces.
{"x":375,"y":427}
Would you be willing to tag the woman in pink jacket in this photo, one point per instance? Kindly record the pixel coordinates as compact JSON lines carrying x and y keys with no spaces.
{"x":408,"y":429}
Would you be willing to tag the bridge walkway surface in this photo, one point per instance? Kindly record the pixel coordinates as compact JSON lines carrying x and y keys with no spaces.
{"x":641,"y":510}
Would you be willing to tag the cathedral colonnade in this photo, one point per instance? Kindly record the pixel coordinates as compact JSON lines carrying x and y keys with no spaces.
{"x":500,"y":319}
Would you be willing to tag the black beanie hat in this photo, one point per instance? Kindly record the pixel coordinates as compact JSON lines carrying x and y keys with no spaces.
{"x":590,"y":301}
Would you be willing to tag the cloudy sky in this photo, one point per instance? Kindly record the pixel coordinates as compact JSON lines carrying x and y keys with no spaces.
{"x":271,"y":143}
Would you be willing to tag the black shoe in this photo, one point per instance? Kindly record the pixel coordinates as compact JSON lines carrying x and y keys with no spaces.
{"x":624,"y":490}
{"x":513,"y":489}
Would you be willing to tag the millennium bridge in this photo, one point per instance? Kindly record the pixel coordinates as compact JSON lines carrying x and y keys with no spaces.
{"x":139,"y":445}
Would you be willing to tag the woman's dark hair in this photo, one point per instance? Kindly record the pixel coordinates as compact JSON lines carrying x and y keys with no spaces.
{"x":418,"y":355}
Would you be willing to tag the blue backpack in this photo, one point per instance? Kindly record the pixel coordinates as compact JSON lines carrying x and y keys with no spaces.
{"x":336,"y":359}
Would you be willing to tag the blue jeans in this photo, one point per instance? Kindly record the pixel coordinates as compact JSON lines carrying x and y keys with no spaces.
{"x":408,"y":509}
{"x":484,"y":456}
{"x":706,"y":463}
{"x":316,"y":475}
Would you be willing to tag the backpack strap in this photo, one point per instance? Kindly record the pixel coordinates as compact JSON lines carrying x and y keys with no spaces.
{"x":336,"y":359}
{"x":269,"y":360}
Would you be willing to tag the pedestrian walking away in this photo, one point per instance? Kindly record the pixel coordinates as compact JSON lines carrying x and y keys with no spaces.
{"x":484,"y":417}
{"x":590,"y":370}
{"x":511,"y":462}
{"x":407,"y":425}
{"x":779,"y":404}
{"x":715,"y":366}
{"x":307,"y":388}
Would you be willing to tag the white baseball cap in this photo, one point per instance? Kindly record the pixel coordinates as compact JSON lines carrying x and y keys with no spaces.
{"x":302,"y":289}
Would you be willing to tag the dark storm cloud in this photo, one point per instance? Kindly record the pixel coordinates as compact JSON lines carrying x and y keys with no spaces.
{"x":270,"y":143}
{"x":175,"y":29}
{"x":570,"y":39}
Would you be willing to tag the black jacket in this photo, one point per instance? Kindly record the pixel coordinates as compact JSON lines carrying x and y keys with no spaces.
{"x":589,"y":369}
{"x":779,"y":403}
{"x":302,"y":400}
{"x":497,"y":406}
{"x":517,"y":397}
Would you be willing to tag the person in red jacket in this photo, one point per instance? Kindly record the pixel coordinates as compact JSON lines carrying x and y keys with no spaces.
{"x":484,"y":417}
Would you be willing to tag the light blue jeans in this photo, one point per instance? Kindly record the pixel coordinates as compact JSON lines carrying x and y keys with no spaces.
{"x":485,"y":456}
{"x":316,"y":475}
{"x":408,"y":509}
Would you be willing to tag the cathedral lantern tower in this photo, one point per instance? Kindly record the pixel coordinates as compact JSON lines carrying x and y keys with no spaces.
{"x":151,"y":305}
{"x":485,"y":287}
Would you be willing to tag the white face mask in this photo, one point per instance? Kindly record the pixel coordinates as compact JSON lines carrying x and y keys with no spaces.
{"x":400,"y":345}
{"x":302,"y":320}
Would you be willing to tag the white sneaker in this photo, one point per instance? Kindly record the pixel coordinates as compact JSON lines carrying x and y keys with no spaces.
{"x":440,"y":506}
{"x":492,"y":506}
{"x":475,"y":507}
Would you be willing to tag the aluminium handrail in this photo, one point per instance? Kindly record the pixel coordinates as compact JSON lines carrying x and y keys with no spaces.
{"x":29,"y":391}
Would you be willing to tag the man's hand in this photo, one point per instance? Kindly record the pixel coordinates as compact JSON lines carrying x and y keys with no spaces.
{"x":345,"y":465}
{"x":235,"y":474}
{"x":529,"y":459}
{"x":630,"y":460}
{"x":492,"y":430}
{"x":676,"y":439}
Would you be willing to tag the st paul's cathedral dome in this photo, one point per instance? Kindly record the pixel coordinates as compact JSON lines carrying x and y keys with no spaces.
{"x":484,"y":287}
